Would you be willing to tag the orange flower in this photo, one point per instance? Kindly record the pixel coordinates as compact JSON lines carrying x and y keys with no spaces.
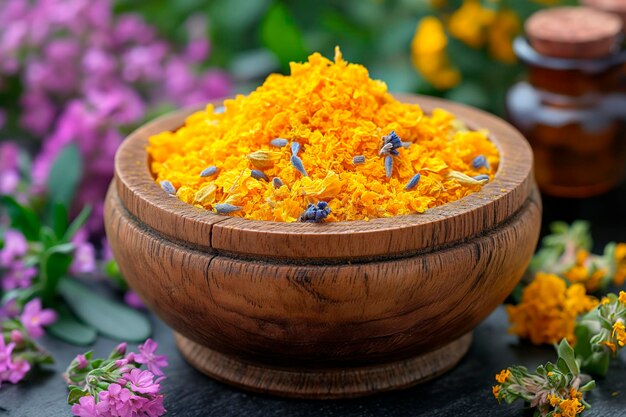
{"x":335,"y":112}
{"x":503,"y":376}
{"x":549,"y":309}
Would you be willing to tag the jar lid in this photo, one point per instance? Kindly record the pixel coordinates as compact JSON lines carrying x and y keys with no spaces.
{"x":573,"y":32}
{"x":617,"y":7}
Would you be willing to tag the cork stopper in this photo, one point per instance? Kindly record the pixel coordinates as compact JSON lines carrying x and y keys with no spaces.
{"x":573,"y":32}
{"x":617,"y":7}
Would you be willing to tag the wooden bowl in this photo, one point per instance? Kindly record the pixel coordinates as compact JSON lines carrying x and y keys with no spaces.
{"x":325,"y":310}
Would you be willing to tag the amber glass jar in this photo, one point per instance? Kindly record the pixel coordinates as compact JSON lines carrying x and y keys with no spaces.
{"x":573,"y":113}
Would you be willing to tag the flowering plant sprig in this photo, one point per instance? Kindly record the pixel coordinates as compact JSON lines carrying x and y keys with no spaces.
{"x":554,"y":390}
{"x":601,"y":334}
{"x":566,"y":252}
{"x":19,"y":352}
{"x":116,"y":385}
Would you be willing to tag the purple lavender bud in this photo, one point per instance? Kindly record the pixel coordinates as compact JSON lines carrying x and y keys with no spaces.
{"x":277,"y":182}
{"x":315,"y":213}
{"x":168,"y":187}
{"x":388,"y":166}
{"x":480,"y":161}
{"x":208,"y":171}
{"x":413,"y":182}
{"x":295,"y":148}
{"x":259,"y":175}
{"x":279,"y":142}
{"x":358,"y":160}
{"x":225,"y":208}
{"x":391,"y":142}
{"x":297,"y":164}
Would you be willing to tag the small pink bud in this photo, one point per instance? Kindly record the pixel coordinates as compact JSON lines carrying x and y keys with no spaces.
{"x":81,"y":362}
{"x":17,"y":337}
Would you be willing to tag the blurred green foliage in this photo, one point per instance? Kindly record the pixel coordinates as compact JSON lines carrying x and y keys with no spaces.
{"x":252,"y":38}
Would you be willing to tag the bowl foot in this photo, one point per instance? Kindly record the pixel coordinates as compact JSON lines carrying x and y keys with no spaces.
{"x":323,"y":383}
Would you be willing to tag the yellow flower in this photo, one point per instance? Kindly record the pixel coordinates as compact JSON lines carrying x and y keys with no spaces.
{"x":579,"y":272}
{"x":548,"y":310}
{"x":503,"y":376}
{"x":610,"y":345}
{"x":622,"y":297}
{"x":429,"y":54}
{"x":496,"y":391}
{"x":620,"y":264}
{"x":469,"y":23}
{"x":619,"y":333}
{"x":334,"y":111}
{"x":567,"y":407}
{"x":505,"y":27}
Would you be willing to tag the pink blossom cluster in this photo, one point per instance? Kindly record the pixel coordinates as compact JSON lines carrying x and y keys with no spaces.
{"x":117,"y":386}
{"x":18,"y":350}
{"x":17,"y":269}
{"x":88,"y":76}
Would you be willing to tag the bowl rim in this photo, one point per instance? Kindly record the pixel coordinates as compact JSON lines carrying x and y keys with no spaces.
{"x":440,"y":226}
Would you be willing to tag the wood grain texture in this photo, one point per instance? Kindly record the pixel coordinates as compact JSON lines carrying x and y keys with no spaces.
{"x":389,"y":237}
{"x":324,"y":383}
{"x":307,"y":296}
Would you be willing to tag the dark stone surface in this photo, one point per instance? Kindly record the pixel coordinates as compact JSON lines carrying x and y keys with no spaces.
{"x":465,"y":391}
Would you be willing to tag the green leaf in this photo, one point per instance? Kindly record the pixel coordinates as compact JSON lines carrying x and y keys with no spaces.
{"x":77,"y":223}
{"x":65,"y":175}
{"x":22,"y":218}
{"x":588,"y":386}
{"x":54,"y":264}
{"x":58,"y":218}
{"x":70,"y":330}
{"x":566,"y":353}
{"x":76,"y":393}
{"x":109,"y":317}
{"x":280,"y":35}
{"x":597,"y":363}
{"x":582,"y":348}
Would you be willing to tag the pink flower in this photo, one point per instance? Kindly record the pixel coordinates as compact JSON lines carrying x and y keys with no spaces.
{"x":146,"y":356}
{"x":120,"y":401}
{"x":16,"y":372}
{"x":5,"y":354}
{"x":154,"y":407}
{"x":15,"y":246}
{"x":142,"y":381}
{"x":18,"y":276}
{"x":86,"y":407}
{"x":132,"y":299}
{"x":34,"y":318}
{"x":17,"y":337}
{"x":81,"y":361}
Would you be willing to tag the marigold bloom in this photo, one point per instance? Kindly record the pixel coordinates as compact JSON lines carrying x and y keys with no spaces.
{"x":470,"y":22}
{"x":330,"y":112}
{"x":505,"y":27}
{"x":503,"y":376}
{"x":549,"y":309}
{"x":620,"y":264}
{"x":430,"y":56}
{"x":580,"y":272}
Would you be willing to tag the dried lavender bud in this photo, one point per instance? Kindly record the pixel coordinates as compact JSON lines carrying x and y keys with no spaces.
{"x":277,"y":182}
{"x":391,"y":142}
{"x":295,"y":148}
{"x":358,"y":160}
{"x":219,"y":110}
{"x":481,"y":177}
{"x":225,"y":208}
{"x":388,"y":165}
{"x":168,"y":187}
{"x":413,"y":182}
{"x":279,"y":142}
{"x":406,"y":144}
{"x":259,"y":175}
{"x":207,"y":172}
{"x":297,"y":164}
{"x":315,"y":213}
{"x":480,"y":161}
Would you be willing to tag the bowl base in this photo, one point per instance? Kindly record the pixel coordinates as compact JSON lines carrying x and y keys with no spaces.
{"x":323,"y":383}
